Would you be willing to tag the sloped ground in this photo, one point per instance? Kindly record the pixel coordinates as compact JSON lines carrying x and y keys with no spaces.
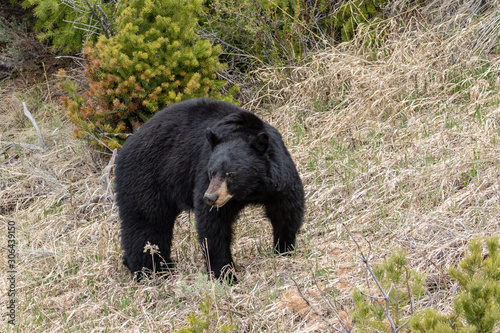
{"x":399,"y":142}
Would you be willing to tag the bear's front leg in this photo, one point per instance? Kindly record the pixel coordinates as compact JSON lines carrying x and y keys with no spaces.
{"x":286,"y":213}
{"x":215,"y":234}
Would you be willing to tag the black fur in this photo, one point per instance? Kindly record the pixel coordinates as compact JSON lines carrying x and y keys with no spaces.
{"x":166,"y":167}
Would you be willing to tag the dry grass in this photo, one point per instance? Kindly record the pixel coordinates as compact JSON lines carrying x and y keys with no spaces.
{"x":399,"y":142}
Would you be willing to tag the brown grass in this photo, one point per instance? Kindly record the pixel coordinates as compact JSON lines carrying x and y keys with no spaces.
{"x":399,"y":142}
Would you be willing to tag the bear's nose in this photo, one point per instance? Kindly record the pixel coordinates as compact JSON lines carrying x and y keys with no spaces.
{"x":210,"y":198}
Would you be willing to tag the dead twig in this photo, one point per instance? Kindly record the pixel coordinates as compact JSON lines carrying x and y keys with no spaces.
{"x":385,"y":295}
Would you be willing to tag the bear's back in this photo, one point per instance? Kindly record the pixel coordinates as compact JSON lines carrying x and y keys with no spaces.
{"x":194,"y":115}
{"x":166,"y":151}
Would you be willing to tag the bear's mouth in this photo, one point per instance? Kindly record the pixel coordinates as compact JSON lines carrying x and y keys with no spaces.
{"x":219,"y":204}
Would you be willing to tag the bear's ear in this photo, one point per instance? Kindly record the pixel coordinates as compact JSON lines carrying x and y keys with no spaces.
{"x":261,"y":142}
{"x":212,"y":138}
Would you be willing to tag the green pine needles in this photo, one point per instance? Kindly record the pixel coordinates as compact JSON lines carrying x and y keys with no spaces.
{"x":353,"y":13}
{"x":68,"y":24}
{"x":155,"y":59}
{"x":477,"y":307}
{"x":381,"y":312}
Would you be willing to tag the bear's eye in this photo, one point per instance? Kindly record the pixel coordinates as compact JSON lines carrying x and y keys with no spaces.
{"x":211,"y":174}
{"x":229,"y":175}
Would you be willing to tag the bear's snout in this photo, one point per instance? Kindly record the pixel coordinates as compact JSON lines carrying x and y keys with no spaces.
{"x":217,"y":194}
{"x":210,"y":198}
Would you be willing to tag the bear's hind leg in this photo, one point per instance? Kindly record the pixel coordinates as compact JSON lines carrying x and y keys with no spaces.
{"x":137,"y":233}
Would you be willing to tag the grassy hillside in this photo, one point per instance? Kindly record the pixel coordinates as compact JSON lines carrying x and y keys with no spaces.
{"x":399,"y":140}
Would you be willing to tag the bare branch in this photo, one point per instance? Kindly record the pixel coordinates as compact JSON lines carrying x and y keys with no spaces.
{"x":379,"y":285}
{"x":72,"y":57}
{"x":385,"y":295}
{"x":98,"y":18}
{"x":116,"y":10}
{"x":371,"y":296}
{"x":104,"y":17}
{"x":440,"y":272}
{"x":371,"y":328}
{"x":98,"y":22}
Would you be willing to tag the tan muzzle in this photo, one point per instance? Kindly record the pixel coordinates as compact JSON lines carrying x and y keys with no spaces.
{"x":217,"y":194}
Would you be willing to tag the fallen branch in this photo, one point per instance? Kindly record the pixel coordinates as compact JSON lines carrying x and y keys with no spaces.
{"x":30,"y":117}
{"x":42,"y":146}
{"x":9,"y":145}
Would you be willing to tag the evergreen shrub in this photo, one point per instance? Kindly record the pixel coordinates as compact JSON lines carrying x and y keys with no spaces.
{"x":400,"y":284}
{"x":252,"y":32}
{"x":155,"y":59}
{"x":477,"y":307}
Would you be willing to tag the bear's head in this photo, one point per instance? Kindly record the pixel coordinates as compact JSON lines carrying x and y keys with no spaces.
{"x":239,"y":163}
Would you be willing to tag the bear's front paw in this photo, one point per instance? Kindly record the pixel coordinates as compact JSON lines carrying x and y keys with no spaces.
{"x":284,"y":248}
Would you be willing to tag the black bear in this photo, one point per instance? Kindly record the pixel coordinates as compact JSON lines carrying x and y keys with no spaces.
{"x":215,"y":158}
